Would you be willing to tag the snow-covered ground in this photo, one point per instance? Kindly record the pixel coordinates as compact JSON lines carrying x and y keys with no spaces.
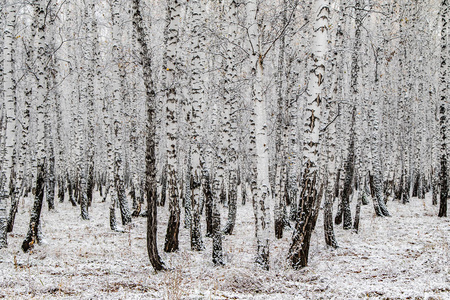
{"x":403,"y":257}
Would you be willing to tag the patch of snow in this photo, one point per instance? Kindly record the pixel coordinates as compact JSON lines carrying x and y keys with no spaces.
{"x":405,"y":256}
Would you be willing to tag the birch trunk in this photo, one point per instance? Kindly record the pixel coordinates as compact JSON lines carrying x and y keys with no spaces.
{"x":117,"y":78}
{"x":150,"y":155}
{"x":52,"y":97}
{"x":444,"y":90}
{"x":40,"y":97}
{"x":84,"y":80}
{"x":281,"y":137}
{"x":173,"y":226}
{"x":260,"y":170}
{"x":332,"y":175}
{"x":23,"y":164}
{"x":9,"y":106}
{"x":310,"y":190}
{"x":229,"y":146}
{"x":198,"y":64}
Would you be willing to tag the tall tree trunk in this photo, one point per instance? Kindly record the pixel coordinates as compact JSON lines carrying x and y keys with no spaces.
{"x":25,"y":125}
{"x":379,"y":199}
{"x":259,"y":145}
{"x":90,"y":73}
{"x":9,"y":105}
{"x":150,"y":153}
{"x":444,"y":90}
{"x":52,"y":95}
{"x":198,"y":64}
{"x":40,"y":98}
{"x":349,"y":176}
{"x":117,"y":79}
{"x":333,"y":175}
{"x":173,"y":225}
{"x":310,"y":193}
{"x":280,"y":218}
{"x":230,"y":146}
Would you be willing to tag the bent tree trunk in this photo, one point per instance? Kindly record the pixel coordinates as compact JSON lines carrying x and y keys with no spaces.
{"x":150,"y":156}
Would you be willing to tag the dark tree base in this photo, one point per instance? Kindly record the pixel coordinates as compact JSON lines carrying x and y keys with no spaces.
{"x":173,"y":227}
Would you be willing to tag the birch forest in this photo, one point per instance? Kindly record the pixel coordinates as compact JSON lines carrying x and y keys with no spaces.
{"x":226,"y":149}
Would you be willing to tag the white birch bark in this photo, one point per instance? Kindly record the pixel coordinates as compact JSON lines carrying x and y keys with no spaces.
{"x":90,"y":74}
{"x":261,"y":190}
{"x":281,"y":140}
{"x":310,"y":190}
{"x":40,"y":97}
{"x":23,"y":128}
{"x":174,"y":11}
{"x":443,"y":105}
{"x":376,"y":98}
{"x":52,"y":96}
{"x":9,"y":106}
{"x":117,"y":126}
{"x":229,"y":149}
{"x":199,"y":69}
{"x":150,"y":156}
{"x":333,"y":109}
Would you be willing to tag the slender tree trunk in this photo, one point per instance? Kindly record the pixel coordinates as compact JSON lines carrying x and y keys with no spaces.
{"x":61,"y":188}
{"x":117,"y":78}
{"x":173,"y":225}
{"x":280,"y":219}
{"x":52,"y":96}
{"x":9,"y":102}
{"x":25,"y":126}
{"x":349,"y":176}
{"x":230,"y":146}
{"x":90,"y":72}
{"x":33,"y":235}
{"x":70,"y":189}
{"x":198,"y":64}
{"x":150,"y":154}
{"x":379,"y":199}
{"x":260,"y":170}
{"x":358,"y":211}
{"x":333,"y":175}
{"x":434,"y":187}
{"x":444,"y":90}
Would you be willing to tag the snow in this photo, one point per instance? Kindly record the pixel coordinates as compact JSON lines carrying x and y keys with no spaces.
{"x":403,"y":257}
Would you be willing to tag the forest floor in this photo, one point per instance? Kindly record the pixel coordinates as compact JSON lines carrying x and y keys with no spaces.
{"x":406,"y":256}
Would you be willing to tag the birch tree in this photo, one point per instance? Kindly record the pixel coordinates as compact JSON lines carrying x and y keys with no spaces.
{"x":40,"y":98}
{"x":24,"y":149}
{"x":150,"y":157}
{"x":310,"y":186}
{"x":117,"y":77}
{"x":281,"y":142}
{"x":443,"y":93}
{"x":198,"y":65}
{"x":173,"y":226}
{"x":260,"y":185}
{"x":228,"y":164}
{"x":9,"y":108}
{"x":85,"y":80}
